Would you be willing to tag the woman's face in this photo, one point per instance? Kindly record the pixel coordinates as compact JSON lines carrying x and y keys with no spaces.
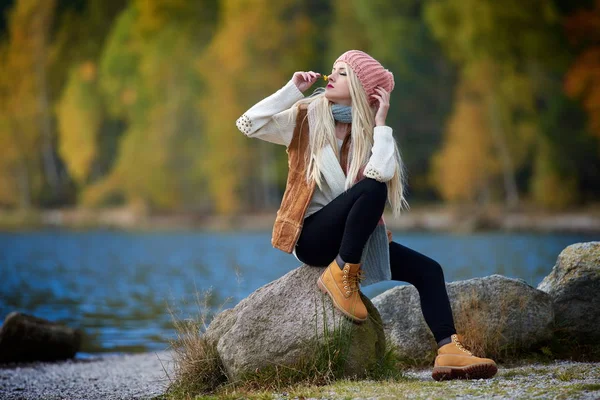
{"x":337,"y":90}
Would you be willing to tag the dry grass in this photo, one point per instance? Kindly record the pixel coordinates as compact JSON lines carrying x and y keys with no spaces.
{"x":482,"y":338}
{"x":197,"y":366}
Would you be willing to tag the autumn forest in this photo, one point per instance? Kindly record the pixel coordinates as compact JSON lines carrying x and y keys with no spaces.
{"x":107,"y":103}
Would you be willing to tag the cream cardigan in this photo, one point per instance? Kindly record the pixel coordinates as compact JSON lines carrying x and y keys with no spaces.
{"x":273,"y":119}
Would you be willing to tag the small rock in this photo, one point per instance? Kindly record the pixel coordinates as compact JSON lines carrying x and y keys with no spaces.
{"x":25,"y":338}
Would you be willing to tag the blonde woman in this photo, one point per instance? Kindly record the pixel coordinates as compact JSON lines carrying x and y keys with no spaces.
{"x":344,"y":165}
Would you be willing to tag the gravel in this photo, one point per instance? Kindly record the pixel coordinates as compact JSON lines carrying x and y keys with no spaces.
{"x":558,"y":380}
{"x":144,"y":376}
{"x":135,"y":376}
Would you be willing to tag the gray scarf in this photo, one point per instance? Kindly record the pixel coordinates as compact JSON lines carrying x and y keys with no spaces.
{"x":340,"y":112}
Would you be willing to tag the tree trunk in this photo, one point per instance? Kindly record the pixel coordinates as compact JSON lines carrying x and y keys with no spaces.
{"x":268,"y":173}
{"x":23,"y":185}
{"x":499,"y":138}
{"x":43,"y":20}
{"x":22,"y":170}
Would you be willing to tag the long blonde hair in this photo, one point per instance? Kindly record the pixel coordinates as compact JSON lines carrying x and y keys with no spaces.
{"x":363,"y":121}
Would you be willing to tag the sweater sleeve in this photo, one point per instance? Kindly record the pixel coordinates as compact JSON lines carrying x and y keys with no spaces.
{"x":273,"y":118}
{"x":382,"y":164}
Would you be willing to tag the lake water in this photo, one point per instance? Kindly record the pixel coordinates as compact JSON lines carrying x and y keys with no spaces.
{"x":118,"y":286}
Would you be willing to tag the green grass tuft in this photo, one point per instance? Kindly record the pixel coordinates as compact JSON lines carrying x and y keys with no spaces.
{"x":589,"y":386}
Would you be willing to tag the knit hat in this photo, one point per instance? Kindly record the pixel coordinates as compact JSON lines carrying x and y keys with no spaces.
{"x":369,"y":71}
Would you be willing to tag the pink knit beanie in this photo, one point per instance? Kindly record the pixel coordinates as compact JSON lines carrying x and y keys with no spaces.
{"x":369,"y":71}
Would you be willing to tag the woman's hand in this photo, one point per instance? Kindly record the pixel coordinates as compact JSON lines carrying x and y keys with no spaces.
{"x":384,"y":105}
{"x":304,"y":80}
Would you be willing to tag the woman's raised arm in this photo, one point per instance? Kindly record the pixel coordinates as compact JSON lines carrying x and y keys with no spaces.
{"x":273,"y":118}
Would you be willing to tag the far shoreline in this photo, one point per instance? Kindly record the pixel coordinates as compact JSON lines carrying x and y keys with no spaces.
{"x":420,"y":218}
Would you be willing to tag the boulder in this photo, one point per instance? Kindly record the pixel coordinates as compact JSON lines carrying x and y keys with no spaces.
{"x":574,"y":286}
{"x":494,"y":314}
{"x":25,"y":338}
{"x":286,"y":321}
{"x":404,"y":325}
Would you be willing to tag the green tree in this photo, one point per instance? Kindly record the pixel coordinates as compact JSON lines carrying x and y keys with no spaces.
{"x":148,"y":78}
{"x":396,"y":34}
{"x":25,"y":104}
{"x":505,"y":44}
{"x":86,"y":135}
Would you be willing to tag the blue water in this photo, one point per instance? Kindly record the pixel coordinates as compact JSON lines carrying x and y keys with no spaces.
{"x":118,"y":286}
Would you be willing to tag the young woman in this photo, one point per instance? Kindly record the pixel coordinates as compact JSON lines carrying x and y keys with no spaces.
{"x":344,"y":165}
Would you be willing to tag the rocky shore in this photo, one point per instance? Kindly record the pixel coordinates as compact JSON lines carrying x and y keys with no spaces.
{"x":435,"y":218}
{"x":263,"y":330}
{"x":144,"y":376}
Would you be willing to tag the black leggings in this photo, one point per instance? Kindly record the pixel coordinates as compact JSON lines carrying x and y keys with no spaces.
{"x":343,"y":227}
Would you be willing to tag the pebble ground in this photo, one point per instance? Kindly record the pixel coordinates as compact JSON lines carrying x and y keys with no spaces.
{"x":135,"y":376}
{"x":144,"y":376}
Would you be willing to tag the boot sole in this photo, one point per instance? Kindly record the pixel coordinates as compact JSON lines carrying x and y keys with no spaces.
{"x":475,"y":371}
{"x":324,"y":289}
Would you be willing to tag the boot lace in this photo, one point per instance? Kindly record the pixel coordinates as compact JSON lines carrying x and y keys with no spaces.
{"x":352,"y":281}
{"x":459,"y":345}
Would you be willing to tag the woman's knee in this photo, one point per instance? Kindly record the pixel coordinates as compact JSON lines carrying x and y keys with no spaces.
{"x":433,"y":271}
{"x":378,"y":190}
{"x":427,"y":272}
{"x":410,"y":266}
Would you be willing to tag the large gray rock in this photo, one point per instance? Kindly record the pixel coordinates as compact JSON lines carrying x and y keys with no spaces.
{"x":574,"y":286}
{"x":404,"y":324}
{"x":281,"y":322}
{"x":494,"y":314}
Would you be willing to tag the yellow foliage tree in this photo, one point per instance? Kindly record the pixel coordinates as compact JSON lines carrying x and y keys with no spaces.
{"x":551,"y":189}
{"x":80,"y":114}
{"x":258,"y":46}
{"x":463,"y":169}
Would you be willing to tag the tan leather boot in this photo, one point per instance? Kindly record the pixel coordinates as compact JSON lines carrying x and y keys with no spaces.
{"x":342,"y":285}
{"x":455,"y":362}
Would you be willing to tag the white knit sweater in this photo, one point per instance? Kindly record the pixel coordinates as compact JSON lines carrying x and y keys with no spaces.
{"x":273,"y":119}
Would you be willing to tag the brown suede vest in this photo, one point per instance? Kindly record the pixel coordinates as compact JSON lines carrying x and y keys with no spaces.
{"x":298,"y":192}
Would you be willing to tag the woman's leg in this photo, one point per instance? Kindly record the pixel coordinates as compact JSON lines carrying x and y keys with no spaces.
{"x":343,"y":226}
{"x":426,"y":275}
{"x":336,"y":236}
{"x":453,"y":360}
